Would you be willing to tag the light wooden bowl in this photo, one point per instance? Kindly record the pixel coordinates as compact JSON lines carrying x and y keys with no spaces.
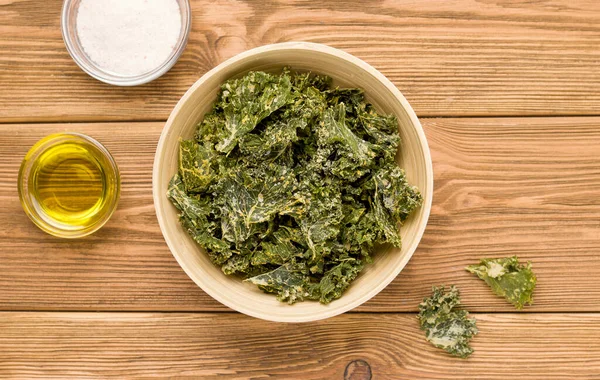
{"x":346,"y":71}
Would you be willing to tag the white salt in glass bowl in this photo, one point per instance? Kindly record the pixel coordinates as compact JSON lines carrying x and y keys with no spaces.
{"x":73,"y":44}
{"x":346,"y":71}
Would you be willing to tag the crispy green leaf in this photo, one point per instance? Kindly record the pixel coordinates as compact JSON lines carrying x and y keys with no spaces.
{"x":292,"y":185}
{"x":209,"y":129}
{"x":387,"y":227}
{"x":302,"y":82}
{"x":236,"y":264}
{"x":218,"y":250}
{"x":247,"y":101}
{"x":333,"y":129}
{"x":194,"y":217}
{"x":195,"y":165}
{"x":307,"y":105}
{"x":445,"y":326}
{"x":507,"y":278}
{"x":352,"y":98}
{"x":288,"y":283}
{"x":187,"y":204}
{"x":335,"y":281}
{"x":272,"y":144}
{"x":397,"y":196}
{"x":254,"y":197}
{"x":278,"y":251}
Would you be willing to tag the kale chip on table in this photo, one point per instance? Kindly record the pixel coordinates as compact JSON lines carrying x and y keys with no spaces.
{"x":291,"y":184}
{"x":507,"y":278}
{"x":445,"y":325}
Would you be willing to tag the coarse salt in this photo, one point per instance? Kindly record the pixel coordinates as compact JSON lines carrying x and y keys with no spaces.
{"x":128,"y":37}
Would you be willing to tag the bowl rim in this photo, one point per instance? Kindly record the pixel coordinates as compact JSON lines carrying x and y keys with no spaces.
{"x":427,"y":201}
{"x":125,"y":81}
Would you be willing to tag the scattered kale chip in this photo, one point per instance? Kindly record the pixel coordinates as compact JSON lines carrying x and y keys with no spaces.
{"x":445,"y":326}
{"x":291,"y":184}
{"x":507,"y":278}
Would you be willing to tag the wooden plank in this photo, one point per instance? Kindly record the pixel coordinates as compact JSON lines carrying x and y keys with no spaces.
{"x":460,"y":58}
{"x":124,"y":266}
{"x":504,"y":186}
{"x":85,"y":345}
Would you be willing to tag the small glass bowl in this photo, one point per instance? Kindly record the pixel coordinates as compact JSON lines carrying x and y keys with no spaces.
{"x":110,"y":193}
{"x":69,"y":33}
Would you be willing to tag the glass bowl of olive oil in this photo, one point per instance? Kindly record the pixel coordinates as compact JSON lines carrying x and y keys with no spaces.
{"x":69,"y":185}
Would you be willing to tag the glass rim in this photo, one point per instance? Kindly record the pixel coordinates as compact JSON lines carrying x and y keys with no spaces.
{"x":26,"y":198}
{"x":98,"y":73}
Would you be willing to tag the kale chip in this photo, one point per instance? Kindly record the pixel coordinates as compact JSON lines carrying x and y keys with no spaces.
{"x":507,"y":278}
{"x":291,"y":184}
{"x":445,"y":326}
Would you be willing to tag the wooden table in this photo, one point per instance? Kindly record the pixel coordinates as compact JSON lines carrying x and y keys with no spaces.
{"x":509,"y":95}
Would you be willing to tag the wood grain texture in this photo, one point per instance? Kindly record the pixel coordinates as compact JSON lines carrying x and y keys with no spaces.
{"x":467,"y":57}
{"x":503,"y":186}
{"x":101,"y":345}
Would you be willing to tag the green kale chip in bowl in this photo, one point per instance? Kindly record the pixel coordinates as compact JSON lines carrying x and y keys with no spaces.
{"x":293,"y":182}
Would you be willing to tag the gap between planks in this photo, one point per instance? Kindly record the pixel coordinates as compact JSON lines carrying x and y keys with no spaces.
{"x":103,"y":121}
{"x":233,"y":312}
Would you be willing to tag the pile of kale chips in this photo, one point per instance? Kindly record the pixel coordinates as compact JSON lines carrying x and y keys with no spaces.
{"x":291,"y":184}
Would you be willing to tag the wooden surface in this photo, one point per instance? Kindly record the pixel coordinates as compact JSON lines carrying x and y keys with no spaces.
{"x":234,"y":346}
{"x":503,"y":186}
{"x":449,"y":58}
{"x":524,"y":179}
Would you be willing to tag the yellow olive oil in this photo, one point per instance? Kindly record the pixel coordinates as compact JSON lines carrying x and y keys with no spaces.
{"x":68,"y":183}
